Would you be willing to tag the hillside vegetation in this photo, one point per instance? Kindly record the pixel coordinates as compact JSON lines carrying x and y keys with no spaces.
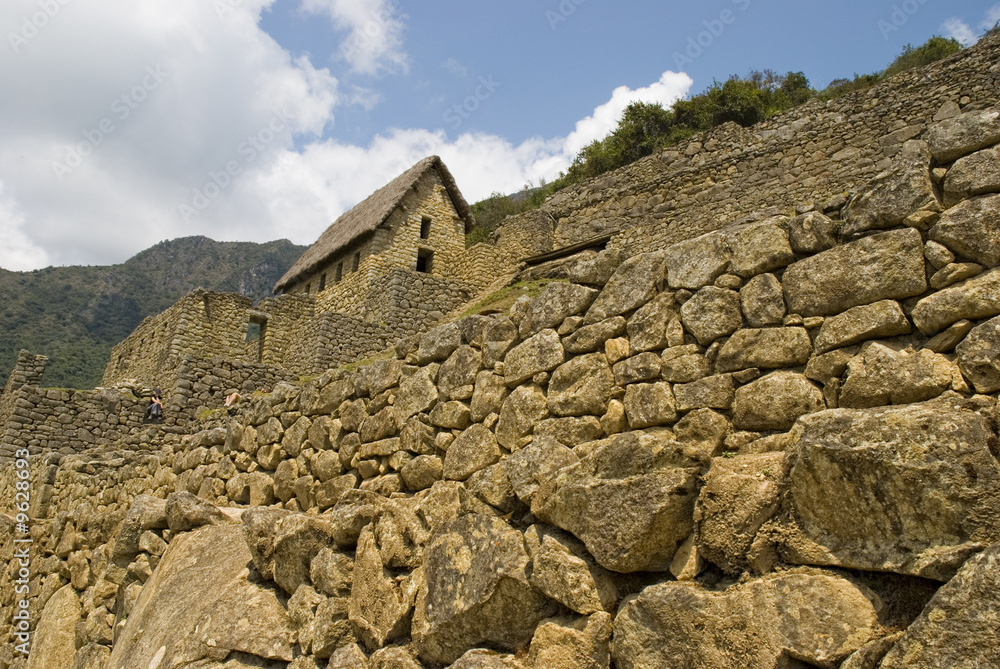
{"x":645,"y":128}
{"x":74,"y":315}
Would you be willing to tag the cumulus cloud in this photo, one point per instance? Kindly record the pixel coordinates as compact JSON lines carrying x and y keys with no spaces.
{"x":374,"y":44}
{"x":958,"y":29}
{"x":671,"y":87}
{"x":992,"y":18}
{"x":127,"y":124}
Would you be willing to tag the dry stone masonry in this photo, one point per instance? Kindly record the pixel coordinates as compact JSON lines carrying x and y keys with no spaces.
{"x":772,"y":445}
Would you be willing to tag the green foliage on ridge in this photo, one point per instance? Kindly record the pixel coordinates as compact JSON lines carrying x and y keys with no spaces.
{"x":646,"y":128}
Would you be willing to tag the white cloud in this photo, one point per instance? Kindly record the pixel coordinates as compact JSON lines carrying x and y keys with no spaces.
{"x":992,"y":18}
{"x":374,"y":44}
{"x":958,"y":29}
{"x":124,"y":125}
{"x":453,"y":66}
{"x":670,"y":88}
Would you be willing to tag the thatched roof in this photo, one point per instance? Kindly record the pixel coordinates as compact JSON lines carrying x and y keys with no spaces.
{"x":371,"y":213}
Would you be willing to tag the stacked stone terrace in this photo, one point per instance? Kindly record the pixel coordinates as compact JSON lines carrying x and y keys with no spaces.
{"x":773,"y":445}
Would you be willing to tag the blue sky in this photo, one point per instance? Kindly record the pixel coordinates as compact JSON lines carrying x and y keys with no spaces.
{"x":128,"y":123}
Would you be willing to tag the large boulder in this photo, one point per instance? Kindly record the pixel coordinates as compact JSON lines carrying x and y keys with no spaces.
{"x":853,"y":498}
{"x":581,"y":386}
{"x":775,"y":402}
{"x":958,"y":626}
{"x":554,"y":304}
{"x":380,"y":608}
{"x":634,"y":283}
{"x":542,"y":352}
{"x":978,"y":356}
{"x":977,"y":174}
{"x":767,"y":348}
{"x":976,"y":298}
{"x":53,"y":642}
{"x":888,"y":265}
{"x":712,"y":313}
{"x":811,"y":617}
{"x":972,"y":229}
{"x":626,"y":501}
{"x":870,"y":321}
{"x":880,"y":375}
{"x":201,"y":604}
{"x":474,"y":591}
{"x":521,"y":411}
{"x":901,"y":190}
{"x":961,"y":135}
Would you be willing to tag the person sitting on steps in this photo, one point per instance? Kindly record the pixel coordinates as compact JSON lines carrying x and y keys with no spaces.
{"x":154,"y":411}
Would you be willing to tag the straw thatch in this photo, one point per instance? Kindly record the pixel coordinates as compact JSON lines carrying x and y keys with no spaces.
{"x":370,"y":214}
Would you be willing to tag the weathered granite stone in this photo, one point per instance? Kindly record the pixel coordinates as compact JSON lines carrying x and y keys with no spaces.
{"x":554,"y":304}
{"x":888,"y":265}
{"x":812,"y":232}
{"x":381,"y":425}
{"x":592,"y":337}
{"x":474,"y":449}
{"x":194,"y":608}
{"x":417,"y":393}
{"x":972,"y":229}
{"x":977,"y":174}
{"x":348,"y":657}
{"x":186,"y":511}
{"x":712,"y":313}
{"x":478,"y":658}
{"x":712,"y":392}
{"x":953,"y":273}
{"x":422,"y":471}
{"x":542,"y":352}
{"x":740,"y":494}
{"x":642,"y":367}
{"x":570,"y":430}
{"x":959,"y":136}
{"x":656,"y":325}
{"x":582,"y":386}
{"x":938,"y":255}
{"x":439,"y":343}
{"x":649,"y":404}
{"x":451,"y":415}
{"x":664,"y":625}
{"x":564,"y":571}
{"x":978,"y":356}
{"x":469,"y":596}
{"x":758,"y":247}
{"x":634,"y":283}
{"x":522,"y":409}
{"x":531,"y":466}
{"x":701,"y":434}
{"x":395,"y":657}
{"x":625,"y":502}
{"x":683,"y":364}
{"x":852,"y":501}
{"x":53,"y":641}
{"x":594,"y":270}
{"x":880,"y":375}
{"x":457,"y":374}
{"x":767,"y":348}
{"x":974,"y":299}
{"x":901,"y":190}
{"x":871,"y":321}
{"x":488,"y":396}
{"x":695,"y":263}
{"x":956,"y":628}
{"x":572,"y":643}
{"x":380,"y":608}
{"x":498,"y":336}
{"x":297,"y":538}
{"x":492,"y":485}
{"x":775,"y":402}
{"x":762,"y":301}
{"x":332,"y":573}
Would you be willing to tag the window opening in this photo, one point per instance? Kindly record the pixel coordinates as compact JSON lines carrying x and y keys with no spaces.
{"x":357,"y":261}
{"x":425,"y":228}
{"x":339,"y":274}
{"x":322,"y":283}
{"x":425,"y":260}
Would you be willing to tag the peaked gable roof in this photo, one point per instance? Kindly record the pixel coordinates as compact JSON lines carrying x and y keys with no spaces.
{"x":371,"y":213}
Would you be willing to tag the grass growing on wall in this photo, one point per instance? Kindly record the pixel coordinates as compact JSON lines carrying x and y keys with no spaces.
{"x":500,"y":301}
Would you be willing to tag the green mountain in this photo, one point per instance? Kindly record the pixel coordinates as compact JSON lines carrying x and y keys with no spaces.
{"x":74,"y":315}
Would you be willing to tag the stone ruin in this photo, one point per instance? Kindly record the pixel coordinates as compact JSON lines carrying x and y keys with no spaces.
{"x":769,"y":444}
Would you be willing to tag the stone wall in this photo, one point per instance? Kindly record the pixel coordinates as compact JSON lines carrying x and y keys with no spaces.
{"x":651,"y":463}
{"x":814,"y":152}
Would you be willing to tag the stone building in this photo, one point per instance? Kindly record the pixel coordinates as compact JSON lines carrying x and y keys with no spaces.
{"x":418,"y":221}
